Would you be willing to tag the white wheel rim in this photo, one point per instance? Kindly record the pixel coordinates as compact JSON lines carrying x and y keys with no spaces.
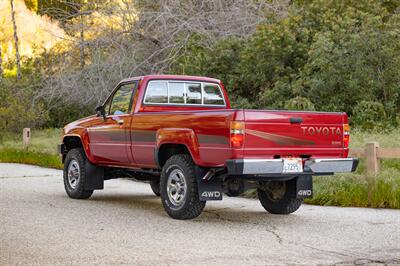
{"x":73,"y":174}
{"x":176,"y":187}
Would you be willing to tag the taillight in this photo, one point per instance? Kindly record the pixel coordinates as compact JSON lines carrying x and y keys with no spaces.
{"x":237,"y":134}
{"x":346,"y":135}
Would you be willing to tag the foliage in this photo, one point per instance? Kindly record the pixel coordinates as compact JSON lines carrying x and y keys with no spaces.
{"x":304,"y":55}
{"x":381,"y":191}
{"x":344,"y":69}
{"x":36,"y":34}
{"x":18,"y":108}
{"x":299,"y":103}
{"x":335,"y":54}
{"x":369,"y":115}
{"x":219,"y":61}
{"x":42,"y":149}
{"x":386,"y":138}
{"x":42,"y":140}
{"x":32,"y":4}
{"x":30,"y":157}
{"x":57,"y":9}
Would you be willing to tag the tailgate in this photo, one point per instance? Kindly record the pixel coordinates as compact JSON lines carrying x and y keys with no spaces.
{"x":277,"y":134}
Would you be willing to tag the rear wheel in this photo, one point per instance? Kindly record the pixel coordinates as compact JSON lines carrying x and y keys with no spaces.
{"x":279,"y":197}
{"x":178,"y":188}
{"x":75,"y":174}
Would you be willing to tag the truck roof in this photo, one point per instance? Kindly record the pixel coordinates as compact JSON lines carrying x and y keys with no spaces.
{"x":177,"y":77}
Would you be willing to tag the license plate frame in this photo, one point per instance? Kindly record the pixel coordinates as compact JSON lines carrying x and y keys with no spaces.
{"x":292,"y":165}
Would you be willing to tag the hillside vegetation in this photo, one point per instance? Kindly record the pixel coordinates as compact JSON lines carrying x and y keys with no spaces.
{"x":307,"y":55}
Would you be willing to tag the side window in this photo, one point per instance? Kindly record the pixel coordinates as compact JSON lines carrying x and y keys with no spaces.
{"x":193,"y":93}
{"x":213,"y":95}
{"x":121,"y":100}
{"x":176,"y":92}
{"x":157,"y":92}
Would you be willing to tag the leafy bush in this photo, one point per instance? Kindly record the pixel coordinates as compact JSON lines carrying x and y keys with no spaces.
{"x":17,"y":108}
{"x":241,"y":103}
{"x":299,"y":103}
{"x":59,"y":116}
{"x":369,"y":115}
{"x":335,"y":54}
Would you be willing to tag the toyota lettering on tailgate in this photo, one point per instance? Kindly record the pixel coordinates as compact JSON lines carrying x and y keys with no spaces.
{"x":321,"y":130}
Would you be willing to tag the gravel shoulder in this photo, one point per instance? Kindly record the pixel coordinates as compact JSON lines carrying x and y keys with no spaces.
{"x":125,"y":224}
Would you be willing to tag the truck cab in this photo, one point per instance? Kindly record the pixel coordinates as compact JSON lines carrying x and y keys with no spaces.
{"x":180,"y":134}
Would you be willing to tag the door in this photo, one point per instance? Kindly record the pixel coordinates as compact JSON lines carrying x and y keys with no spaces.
{"x":110,"y":137}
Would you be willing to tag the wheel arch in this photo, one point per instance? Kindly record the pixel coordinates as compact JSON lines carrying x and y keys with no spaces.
{"x":172,"y":141}
{"x":166,"y":150}
{"x":72,"y":141}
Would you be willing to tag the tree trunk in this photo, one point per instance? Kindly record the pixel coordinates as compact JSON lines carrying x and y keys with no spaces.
{"x":1,"y":65}
{"x":82,"y":42}
{"x":17,"y":56}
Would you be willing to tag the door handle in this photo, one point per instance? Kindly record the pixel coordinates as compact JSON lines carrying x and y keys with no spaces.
{"x":296,"y":120}
{"x":120,"y":121}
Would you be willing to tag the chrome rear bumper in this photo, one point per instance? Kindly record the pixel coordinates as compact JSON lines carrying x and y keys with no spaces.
{"x":275,"y":166}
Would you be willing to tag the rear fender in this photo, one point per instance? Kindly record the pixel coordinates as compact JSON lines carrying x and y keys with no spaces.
{"x":183,"y":136}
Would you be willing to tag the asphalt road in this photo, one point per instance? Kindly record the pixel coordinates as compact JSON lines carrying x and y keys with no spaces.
{"x":125,"y":224}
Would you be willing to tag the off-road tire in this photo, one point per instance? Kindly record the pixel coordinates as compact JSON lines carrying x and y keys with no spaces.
{"x":287,"y":204}
{"x":192,"y":206}
{"x":78,"y":192}
{"x":155,"y":186}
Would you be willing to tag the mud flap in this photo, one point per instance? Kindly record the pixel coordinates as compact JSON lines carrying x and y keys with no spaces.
{"x":94,"y":176}
{"x":208,"y":189}
{"x":304,"y":187}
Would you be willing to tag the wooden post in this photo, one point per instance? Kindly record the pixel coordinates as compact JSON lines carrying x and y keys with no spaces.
{"x":26,"y":137}
{"x":371,"y":154}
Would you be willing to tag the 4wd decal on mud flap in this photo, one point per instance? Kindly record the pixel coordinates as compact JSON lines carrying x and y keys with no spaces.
{"x":304,"y":188}
{"x":208,"y":189}
{"x":211,"y":194}
{"x":304,"y":193}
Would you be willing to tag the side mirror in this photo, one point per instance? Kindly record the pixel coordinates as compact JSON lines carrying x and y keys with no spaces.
{"x":101,"y":112}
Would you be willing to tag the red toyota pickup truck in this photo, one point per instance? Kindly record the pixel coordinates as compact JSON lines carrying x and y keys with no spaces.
{"x":180,"y":134}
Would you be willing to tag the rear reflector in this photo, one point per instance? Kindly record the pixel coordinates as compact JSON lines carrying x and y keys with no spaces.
{"x":346,"y":135}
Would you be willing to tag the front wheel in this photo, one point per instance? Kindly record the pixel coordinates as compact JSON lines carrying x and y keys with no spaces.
{"x":178,"y":188}
{"x":75,"y":174}
{"x":279,"y":197}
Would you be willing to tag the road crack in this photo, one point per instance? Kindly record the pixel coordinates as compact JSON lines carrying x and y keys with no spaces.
{"x":365,"y":261}
{"x":270,"y":229}
{"x":25,"y":176}
{"x":328,"y":251}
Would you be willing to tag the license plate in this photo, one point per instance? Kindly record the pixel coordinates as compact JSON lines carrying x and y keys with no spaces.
{"x":292,"y":165}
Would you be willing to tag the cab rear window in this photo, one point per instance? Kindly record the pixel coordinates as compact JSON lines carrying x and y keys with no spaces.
{"x":213,"y":95}
{"x":183,"y":93}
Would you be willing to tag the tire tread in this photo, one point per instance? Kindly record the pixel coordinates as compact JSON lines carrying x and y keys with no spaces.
{"x":194,"y":206}
{"x":288,"y":204}
{"x":80,"y":193}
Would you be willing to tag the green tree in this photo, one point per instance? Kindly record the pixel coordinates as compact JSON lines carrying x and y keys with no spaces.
{"x":32,"y":5}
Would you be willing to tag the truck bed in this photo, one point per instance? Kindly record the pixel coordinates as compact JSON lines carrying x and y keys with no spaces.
{"x":275,"y":134}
